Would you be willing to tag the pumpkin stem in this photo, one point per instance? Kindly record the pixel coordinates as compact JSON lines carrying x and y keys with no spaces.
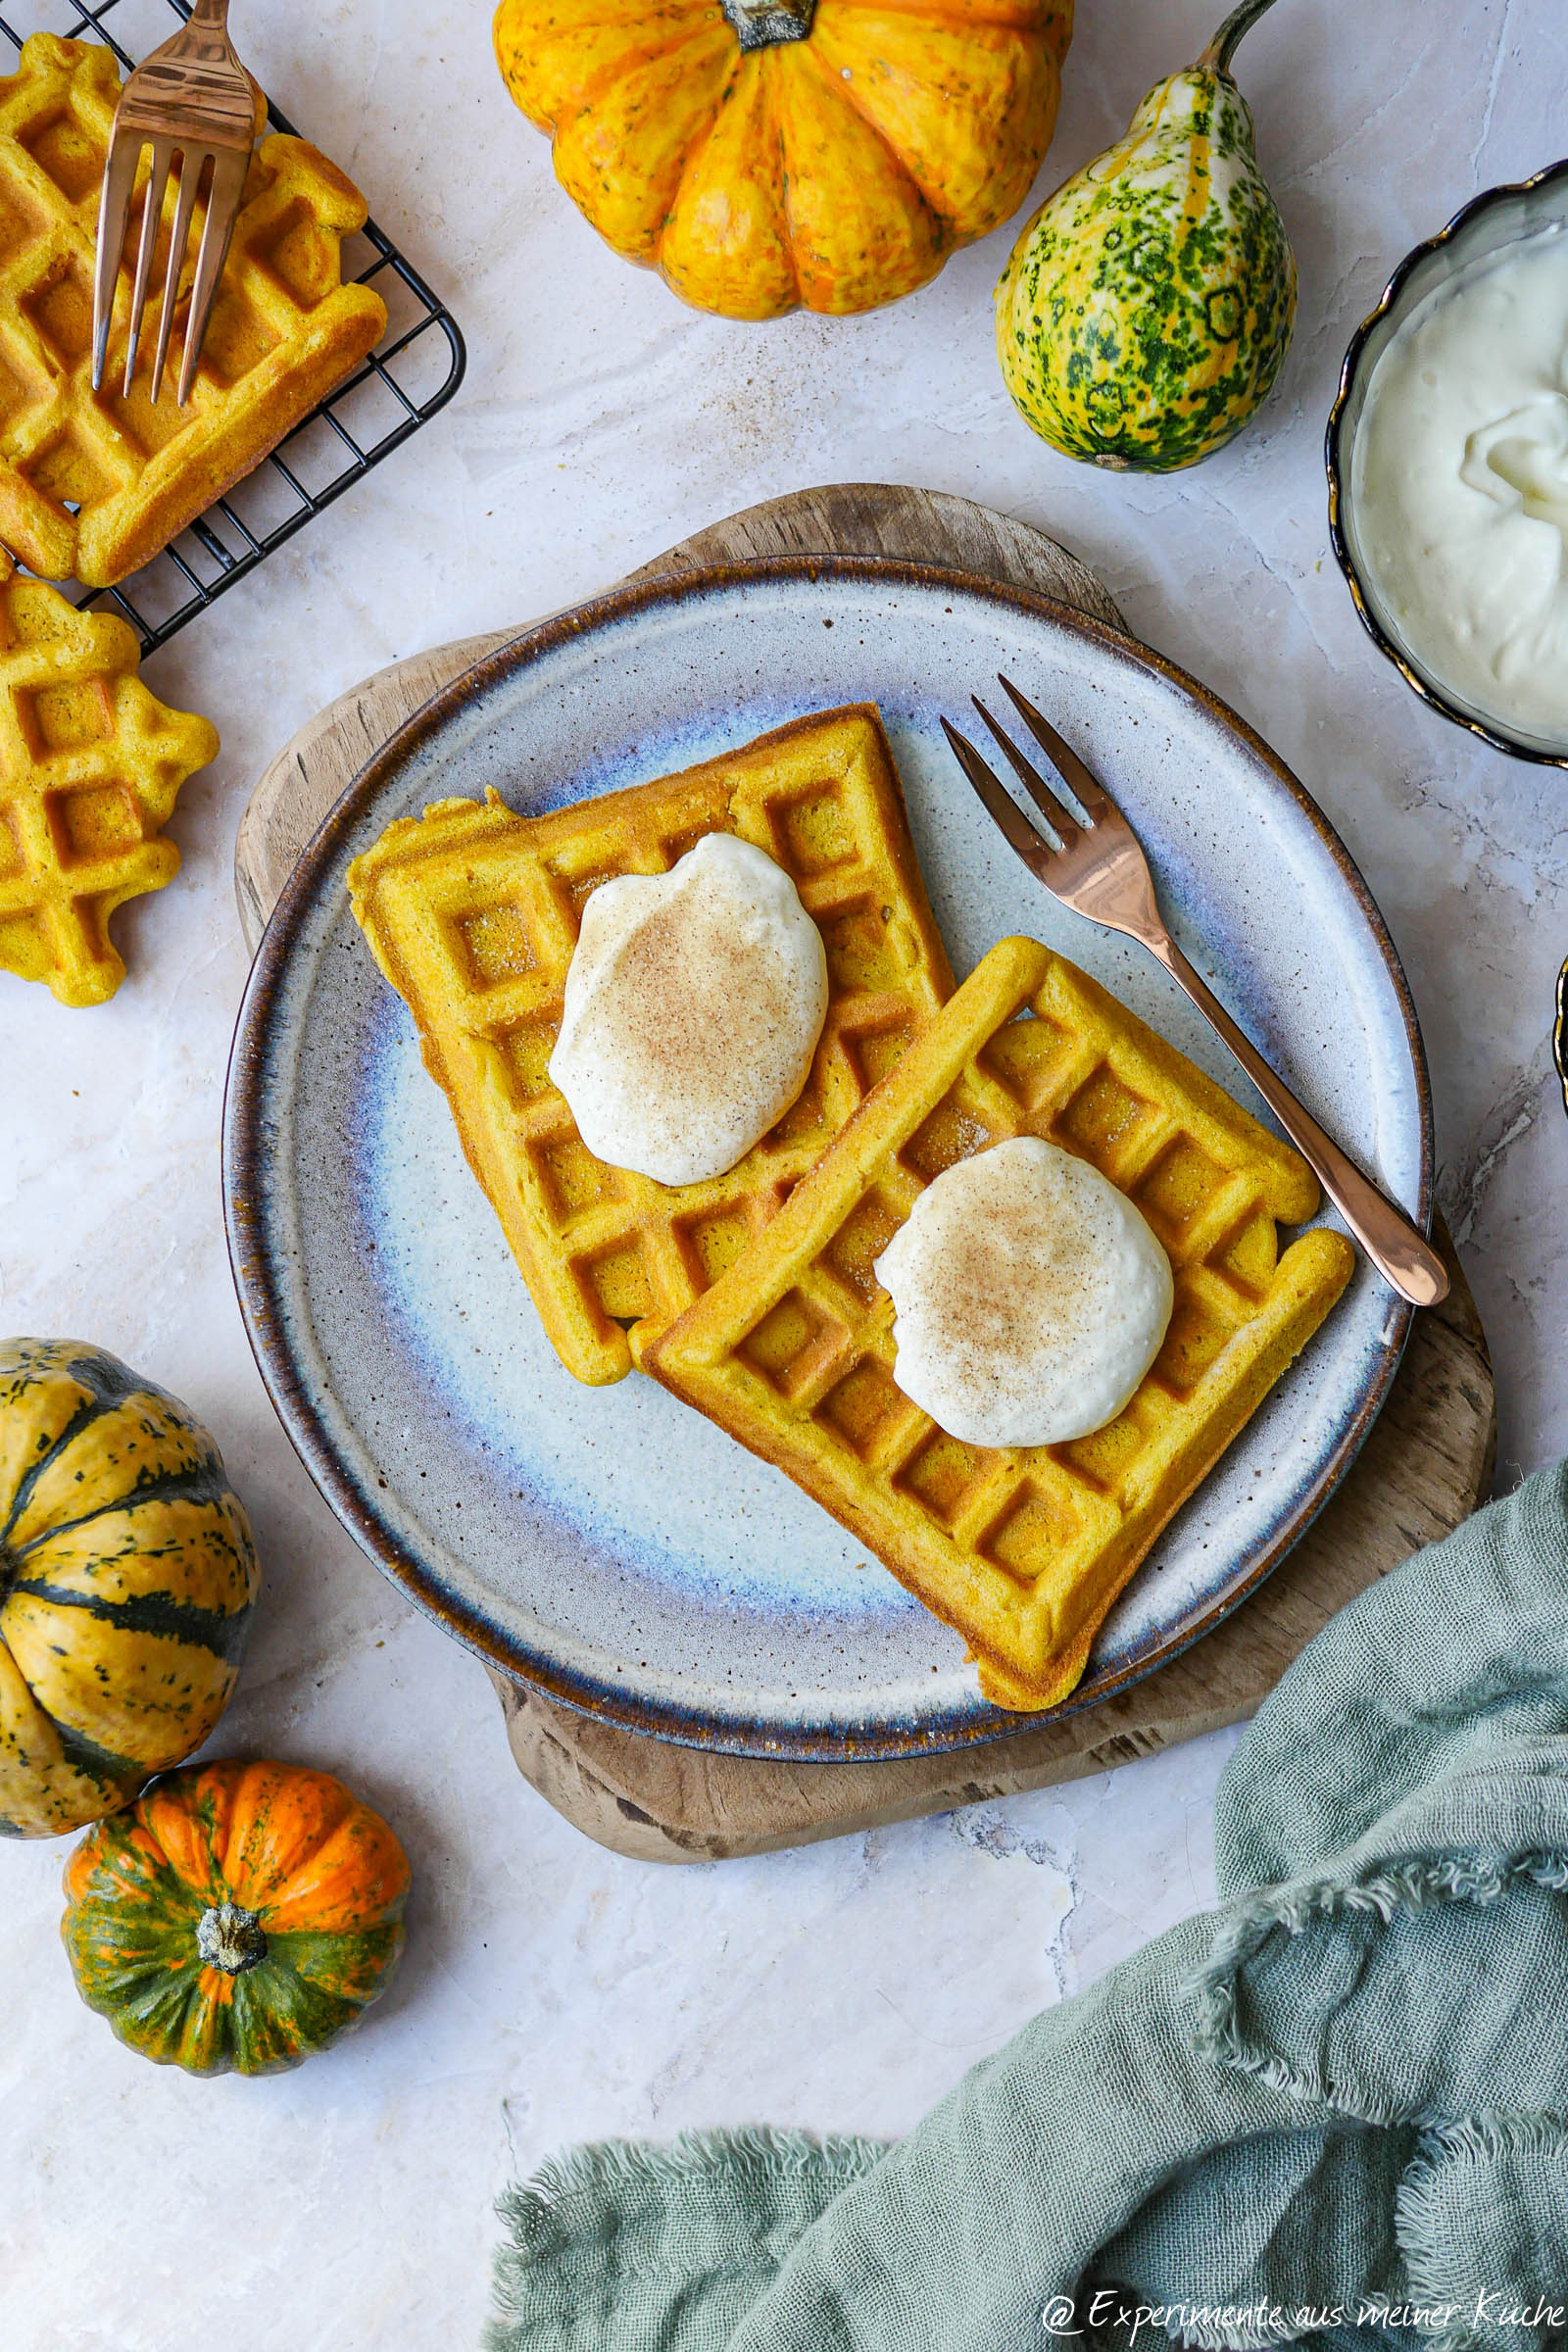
{"x":1217,"y":58}
{"x":764,"y":23}
{"x":231,"y":1938}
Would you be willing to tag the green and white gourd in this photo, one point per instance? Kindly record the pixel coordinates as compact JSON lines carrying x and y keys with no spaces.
{"x":1145,"y":310}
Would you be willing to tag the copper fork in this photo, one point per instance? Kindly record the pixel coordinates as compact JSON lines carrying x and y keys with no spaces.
{"x":1098,"y":867}
{"x":193,"y":99}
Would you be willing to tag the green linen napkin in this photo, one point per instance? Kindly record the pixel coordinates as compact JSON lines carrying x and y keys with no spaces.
{"x":1335,"y":2111}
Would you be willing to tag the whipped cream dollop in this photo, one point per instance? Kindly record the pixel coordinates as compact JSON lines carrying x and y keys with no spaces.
{"x":694,"y":1004}
{"x":1029,"y":1297}
{"x":1460,"y":486}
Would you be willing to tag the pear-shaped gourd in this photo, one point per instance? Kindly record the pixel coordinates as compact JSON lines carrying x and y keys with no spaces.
{"x":1147,"y":308}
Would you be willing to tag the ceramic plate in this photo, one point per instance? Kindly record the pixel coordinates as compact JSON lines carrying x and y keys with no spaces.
{"x":609,"y":1544}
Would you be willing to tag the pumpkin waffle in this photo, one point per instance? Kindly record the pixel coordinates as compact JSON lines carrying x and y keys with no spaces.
{"x":93,"y":484}
{"x":792,"y":1352}
{"x":90,"y":765}
{"x":472,"y":911}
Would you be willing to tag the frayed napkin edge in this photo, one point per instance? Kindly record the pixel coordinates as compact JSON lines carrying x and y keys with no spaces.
{"x":1395,"y":1887}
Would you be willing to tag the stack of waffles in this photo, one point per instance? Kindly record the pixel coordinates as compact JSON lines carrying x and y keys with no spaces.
{"x":754,"y":1296}
{"x":93,"y":484}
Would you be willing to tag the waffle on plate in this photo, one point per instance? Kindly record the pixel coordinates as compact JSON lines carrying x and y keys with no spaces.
{"x":93,"y":484}
{"x":1023,"y":1552}
{"x":90,"y":763}
{"x":472,"y":914}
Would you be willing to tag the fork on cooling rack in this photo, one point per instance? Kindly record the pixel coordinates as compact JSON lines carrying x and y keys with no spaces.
{"x":1093,"y":862}
{"x":191,"y":100}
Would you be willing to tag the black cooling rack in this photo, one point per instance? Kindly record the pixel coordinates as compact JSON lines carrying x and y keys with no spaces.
{"x":414,"y":371}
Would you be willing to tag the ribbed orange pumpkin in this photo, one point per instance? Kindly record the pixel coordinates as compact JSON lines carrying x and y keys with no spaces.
{"x":766,"y":153}
{"x":243,"y":1916}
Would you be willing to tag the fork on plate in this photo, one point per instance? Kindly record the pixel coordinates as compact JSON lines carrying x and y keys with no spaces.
{"x":1096,"y":866}
{"x":191,"y":99}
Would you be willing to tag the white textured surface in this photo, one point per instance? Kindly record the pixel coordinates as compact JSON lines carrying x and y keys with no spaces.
{"x":551,"y":1991}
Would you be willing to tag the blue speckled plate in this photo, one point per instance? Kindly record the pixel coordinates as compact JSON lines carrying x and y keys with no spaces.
{"x":609,"y":1544}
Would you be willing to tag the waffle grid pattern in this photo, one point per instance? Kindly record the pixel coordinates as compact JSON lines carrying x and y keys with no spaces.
{"x":90,"y":765}
{"x":472,"y":913}
{"x":93,"y":485}
{"x":1023,"y":1551}
{"x":400,"y":386}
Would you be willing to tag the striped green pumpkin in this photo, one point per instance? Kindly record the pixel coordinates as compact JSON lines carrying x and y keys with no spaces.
{"x":127,"y":1577}
{"x":243,"y":1916}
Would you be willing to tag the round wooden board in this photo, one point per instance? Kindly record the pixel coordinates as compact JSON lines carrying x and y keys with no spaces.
{"x":1427,"y":1463}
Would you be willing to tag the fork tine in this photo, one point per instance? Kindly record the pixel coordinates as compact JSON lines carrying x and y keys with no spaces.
{"x":1062,"y":822}
{"x":190,"y":171}
{"x":152,"y":213}
{"x":229,"y":170}
{"x":1097,"y":801}
{"x":1000,"y":806}
{"x":114,"y":217}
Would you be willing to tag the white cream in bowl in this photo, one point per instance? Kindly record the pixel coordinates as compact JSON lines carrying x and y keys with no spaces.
{"x":1458,"y":487}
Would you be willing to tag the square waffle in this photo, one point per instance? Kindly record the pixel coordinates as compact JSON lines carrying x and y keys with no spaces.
{"x":1023,"y":1551}
{"x":472,"y":911}
{"x":90,"y":762}
{"x":93,"y":484}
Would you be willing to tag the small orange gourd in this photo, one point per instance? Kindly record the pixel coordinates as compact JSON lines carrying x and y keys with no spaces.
{"x":765,"y":155}
{"x":242,"y":1915}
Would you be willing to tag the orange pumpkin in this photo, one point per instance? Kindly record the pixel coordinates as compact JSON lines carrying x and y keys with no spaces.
{"x":243,"y":1916}
{"x":766,"y":153}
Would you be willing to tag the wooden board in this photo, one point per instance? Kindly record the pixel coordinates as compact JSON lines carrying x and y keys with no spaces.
{"x":1427,"y":1463}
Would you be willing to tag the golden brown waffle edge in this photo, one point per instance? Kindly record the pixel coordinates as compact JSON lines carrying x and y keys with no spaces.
{"x":1022,"y":1550}
{"x":471,"y":912}
{"x":93,"y":485}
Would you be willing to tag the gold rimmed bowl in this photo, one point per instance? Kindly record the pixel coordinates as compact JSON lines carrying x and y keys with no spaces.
{"x":1490,"y":224}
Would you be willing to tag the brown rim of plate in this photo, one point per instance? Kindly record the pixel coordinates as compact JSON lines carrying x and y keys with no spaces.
{"x":244,"y":1122}
{"x":1430,"y":693}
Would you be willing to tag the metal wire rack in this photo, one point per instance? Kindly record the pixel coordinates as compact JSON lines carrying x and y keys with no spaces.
{"x":414,"y":371}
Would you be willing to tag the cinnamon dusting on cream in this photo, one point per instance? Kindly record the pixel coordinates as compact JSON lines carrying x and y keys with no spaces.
{"x":1030,"y":1297}
{"x":694,"y":1004}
